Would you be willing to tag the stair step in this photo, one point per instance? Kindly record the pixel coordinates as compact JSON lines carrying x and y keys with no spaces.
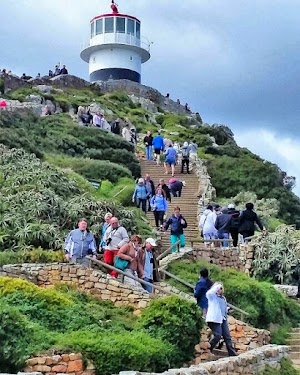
{"x":294,"y":341}
{"x":294,"y":355}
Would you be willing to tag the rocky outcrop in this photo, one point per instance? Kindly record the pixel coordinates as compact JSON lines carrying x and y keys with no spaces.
{"x":148,"y":97}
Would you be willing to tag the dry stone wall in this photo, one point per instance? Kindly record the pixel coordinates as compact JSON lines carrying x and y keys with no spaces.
{"x":89,"y":280}
{"x":250,"y":363}
{"x":59,"y":364}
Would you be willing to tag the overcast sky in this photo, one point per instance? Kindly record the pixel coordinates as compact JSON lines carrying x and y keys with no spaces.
{"x":234,"y":61}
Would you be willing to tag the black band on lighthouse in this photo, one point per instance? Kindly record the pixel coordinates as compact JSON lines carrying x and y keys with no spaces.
{"x":115,"y":73}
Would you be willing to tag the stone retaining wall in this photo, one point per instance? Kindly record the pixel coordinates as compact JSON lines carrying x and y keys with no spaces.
{"x":250,"y":363}
{"x":59,"y":364}
{"x":225,"y":258}
{"x":88,"y":280}
{"x":244,"y":338}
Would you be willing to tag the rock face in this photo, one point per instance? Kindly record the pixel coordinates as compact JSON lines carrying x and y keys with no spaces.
{"x":147,"y":96}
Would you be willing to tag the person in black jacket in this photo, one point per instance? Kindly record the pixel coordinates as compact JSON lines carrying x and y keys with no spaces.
{"x":247,"y":221}
{"x":148,"y":142}
{"x":165,"y":188}
{"x":234,"y":224}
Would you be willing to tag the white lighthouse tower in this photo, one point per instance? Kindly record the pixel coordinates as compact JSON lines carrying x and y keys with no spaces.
{"x":115,"y":50}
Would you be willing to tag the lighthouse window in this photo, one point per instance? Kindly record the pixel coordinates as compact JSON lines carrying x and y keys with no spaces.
{"x":120,"y":25}
{"x":99,"y":26}
{"x":130,"y":26}
{"x":138,"y":30}
{"x":109,"y":25}
{"x":92,"y":29}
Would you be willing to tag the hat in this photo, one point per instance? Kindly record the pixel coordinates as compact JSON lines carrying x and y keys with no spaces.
{"x":151,"y":241}
{"x":231,"y":206}
{"x":183,"y":183}
{"x":141,"y":181}
{"x":185,"y":144}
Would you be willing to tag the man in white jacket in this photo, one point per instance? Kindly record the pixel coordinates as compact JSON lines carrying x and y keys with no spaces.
{"x":216,"y":318}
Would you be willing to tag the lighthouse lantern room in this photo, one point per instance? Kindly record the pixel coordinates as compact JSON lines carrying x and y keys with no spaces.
{"x":115,"y":50}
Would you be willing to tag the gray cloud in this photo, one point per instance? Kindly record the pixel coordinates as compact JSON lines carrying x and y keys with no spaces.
{"x":234,"y":61}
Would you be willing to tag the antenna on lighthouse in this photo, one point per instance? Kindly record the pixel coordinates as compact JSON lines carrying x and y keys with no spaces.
{"x":114,"y":7}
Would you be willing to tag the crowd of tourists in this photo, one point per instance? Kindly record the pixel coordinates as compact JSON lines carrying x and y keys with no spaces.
{"x":155,"y":197}
{"x":57,"y":71}
{"x":217,"y":223}
{"x":86,"y":117}
{"x":173,"y":152}
{"x":132,"y":255}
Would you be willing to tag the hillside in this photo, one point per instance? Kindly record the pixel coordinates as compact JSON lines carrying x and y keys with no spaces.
{"x":61,"y":142}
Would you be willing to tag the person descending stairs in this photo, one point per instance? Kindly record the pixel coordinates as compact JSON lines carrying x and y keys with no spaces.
{"x":188,"y":202}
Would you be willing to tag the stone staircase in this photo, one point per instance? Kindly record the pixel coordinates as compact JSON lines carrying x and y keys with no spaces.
{"x":188,"y":202}
{"x":294,"y":343}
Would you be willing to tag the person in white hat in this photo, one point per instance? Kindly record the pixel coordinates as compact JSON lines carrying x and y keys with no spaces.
{"x":149,"y":262}
{"x":185,"y":161}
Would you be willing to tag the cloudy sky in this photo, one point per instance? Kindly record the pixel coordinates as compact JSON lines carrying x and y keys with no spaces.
{"x":237,"y":62}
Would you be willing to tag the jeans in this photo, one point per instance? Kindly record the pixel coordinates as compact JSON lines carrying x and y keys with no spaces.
{"x":175,"y":238}
{"x":147,"y":287}
{"x":142,"y":202}
{"x":149,"y":152}
{"x":159,"y":217}
{"x":223,"y":236}
{"x":187,"y":163}
{"x":220,"y":330}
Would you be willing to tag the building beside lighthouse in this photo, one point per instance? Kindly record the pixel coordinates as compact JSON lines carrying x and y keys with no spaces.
{"x":116,"y":50}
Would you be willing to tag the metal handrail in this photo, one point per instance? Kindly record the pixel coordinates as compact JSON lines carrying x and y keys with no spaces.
{"x":169,"y":274}
{"x":121,"y":191}
{"x":141,"y":281}
{"x":169,"y":249}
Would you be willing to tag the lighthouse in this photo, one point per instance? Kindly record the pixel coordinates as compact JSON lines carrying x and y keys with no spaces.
{"x":116,"y":50}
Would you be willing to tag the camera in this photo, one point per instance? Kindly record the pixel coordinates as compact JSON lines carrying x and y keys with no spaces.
{"x":108,"y":241}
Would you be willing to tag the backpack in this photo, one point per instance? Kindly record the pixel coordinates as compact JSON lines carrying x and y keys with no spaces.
{"x":185,"y":152}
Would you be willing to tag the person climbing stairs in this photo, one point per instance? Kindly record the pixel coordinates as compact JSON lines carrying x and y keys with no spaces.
{"x":188,"y":202}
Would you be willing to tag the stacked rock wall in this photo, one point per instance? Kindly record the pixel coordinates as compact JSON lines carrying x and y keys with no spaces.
{"x":59,"y":364}
{"x":88,"y":280}
{"x":251,"y":363}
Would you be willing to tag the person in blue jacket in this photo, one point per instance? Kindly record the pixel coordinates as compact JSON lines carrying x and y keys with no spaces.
{"x":177,"y":223}
{"x":159,"y":207}
{"x":158,"y":145}
{"x":141,"y":195}
{"x":170,"y":159}
{"x":203,"y":285}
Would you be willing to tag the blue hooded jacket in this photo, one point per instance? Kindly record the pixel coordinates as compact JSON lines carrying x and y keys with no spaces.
{"x":160,"y":203}
{"x":158,"y":142}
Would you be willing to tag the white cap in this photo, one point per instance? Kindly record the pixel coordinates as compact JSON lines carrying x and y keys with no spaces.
{"x":151,"y":242}
{"x":185,"y":144}
{"x":141,"y":181}
{"x":184,"y":183}
{"x":231,"y":206}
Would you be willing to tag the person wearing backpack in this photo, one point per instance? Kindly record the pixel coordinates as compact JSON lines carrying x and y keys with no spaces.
{"x":234,"y":223}
{"x":159,"y":207}
{"x":185,"y":161}
{"x":148,"y":142}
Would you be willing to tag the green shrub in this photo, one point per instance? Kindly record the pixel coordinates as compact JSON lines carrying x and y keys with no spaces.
{"x":122,"y":191}
{"x":31,"y":256}
{"x":2,"y":86}
{"x":280,"y":335}
{"x":91,"y":169}
{"x":286,"y":368}
{"x":175,"y":320}
{"x":112,"y":353}
{"x":264,"y":303}
{"x":18,"y":339}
